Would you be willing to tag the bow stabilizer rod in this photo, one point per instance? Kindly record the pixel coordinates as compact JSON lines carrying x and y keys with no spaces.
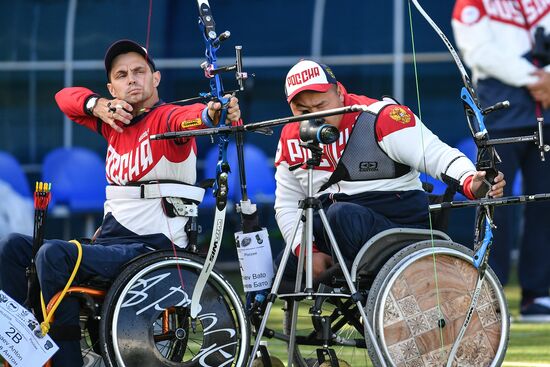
{"x":259,"y":126}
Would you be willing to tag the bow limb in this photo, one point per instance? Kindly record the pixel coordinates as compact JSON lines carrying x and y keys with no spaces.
{"x":468,"y":94}
{"x":487,"y":157}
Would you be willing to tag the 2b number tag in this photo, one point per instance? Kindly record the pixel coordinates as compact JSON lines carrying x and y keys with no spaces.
{"x":19,"y":344}
{"x":14,"y":335}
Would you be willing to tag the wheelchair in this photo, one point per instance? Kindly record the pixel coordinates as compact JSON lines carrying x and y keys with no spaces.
{"x":416,"y":287}
{"x":395,"y":273}
{"x":143,"y":318}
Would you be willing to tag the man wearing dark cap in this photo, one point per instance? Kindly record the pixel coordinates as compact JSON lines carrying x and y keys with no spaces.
{"x":368,"y":179}
{"x":148,"y":181}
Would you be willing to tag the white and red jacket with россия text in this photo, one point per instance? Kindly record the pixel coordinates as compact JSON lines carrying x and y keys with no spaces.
{"x":495,"y":38}
{"x":399,"y":133}
{"x":133,"y":158}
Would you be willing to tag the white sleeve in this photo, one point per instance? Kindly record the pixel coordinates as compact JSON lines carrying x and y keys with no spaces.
{"x":422,"y":150}
{"x":481,"y":51}
{"x":287,"y":194}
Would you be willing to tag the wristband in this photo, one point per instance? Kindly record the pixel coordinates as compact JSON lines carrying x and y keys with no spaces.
{"x":467,"y":188}
{"x":90,"y":104}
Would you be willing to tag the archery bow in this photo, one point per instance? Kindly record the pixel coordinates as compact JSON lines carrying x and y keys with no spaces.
{"x":212,"y":42}
{"x":213,"y":72}
{"x":487,"y":159}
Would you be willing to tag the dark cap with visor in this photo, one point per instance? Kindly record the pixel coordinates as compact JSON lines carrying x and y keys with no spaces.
{"x":122,"y":47}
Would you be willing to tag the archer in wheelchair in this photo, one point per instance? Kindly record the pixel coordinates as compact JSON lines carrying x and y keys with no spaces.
{"x":148,"y":206}
{"x":365,"y":176}
{"x":368,"y":177}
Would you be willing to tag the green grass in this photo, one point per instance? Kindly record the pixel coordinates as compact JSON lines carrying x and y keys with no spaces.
{"x":529,"y":343}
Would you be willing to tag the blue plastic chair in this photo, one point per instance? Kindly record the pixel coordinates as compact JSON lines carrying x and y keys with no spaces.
{"x":12,"y":173}
{"x":78,"y":179}
{"x":260,"y":174}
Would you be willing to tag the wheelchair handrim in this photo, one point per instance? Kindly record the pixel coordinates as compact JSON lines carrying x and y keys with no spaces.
{"x":192,"y":264}
{"x":378,"y":324}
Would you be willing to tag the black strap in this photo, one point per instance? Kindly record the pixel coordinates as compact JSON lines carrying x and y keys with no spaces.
{"x":339,"y":174}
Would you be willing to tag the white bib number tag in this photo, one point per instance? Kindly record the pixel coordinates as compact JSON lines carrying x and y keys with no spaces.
{"x":255,"y":260}
{"x":19,"y":345}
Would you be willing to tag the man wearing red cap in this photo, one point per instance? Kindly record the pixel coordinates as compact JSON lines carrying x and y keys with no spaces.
{"x":368,"y":180}
{"x":146,"y":178}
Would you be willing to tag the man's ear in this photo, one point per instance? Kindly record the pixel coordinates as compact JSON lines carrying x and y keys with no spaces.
{"x":111,"y":90}
{"x":156,"y":78}
{"x":340,"y":94}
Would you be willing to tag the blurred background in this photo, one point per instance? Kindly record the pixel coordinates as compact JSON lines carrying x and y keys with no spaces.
{"x":50,"y":44}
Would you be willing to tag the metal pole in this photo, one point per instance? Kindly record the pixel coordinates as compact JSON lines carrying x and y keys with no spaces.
{"x":68,"y":75}
{"x":33,"y":85}
{"x":317,"y":29}
{"x":398,"y":50}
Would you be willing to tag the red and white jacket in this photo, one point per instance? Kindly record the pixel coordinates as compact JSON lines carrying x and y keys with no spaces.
{"x":404,"y":140}
{"x":495,"y":35}
{"x":496,"y":38}
{"x":132,"y":157}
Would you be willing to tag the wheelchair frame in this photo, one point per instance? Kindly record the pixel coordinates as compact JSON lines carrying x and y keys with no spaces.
{"x":369,"y":263}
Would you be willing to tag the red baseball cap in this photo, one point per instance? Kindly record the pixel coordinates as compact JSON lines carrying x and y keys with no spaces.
{"x":308,"y":75}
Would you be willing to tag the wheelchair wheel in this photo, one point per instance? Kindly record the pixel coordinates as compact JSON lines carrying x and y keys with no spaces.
{"x":346,"y":331}
{"x":145,"y":317}
{"x":410,"y":327}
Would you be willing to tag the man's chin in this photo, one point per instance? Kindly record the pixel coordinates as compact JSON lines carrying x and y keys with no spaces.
{"x":134,"y":99}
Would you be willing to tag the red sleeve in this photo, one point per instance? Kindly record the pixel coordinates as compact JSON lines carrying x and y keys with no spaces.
{"x":186,"y":118}
{"x":469,"y":11}
{"x":393,"y":118}
{"x":72,"y":102}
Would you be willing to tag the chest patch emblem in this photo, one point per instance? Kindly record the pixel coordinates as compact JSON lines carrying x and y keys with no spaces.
{"x":400,"y":115}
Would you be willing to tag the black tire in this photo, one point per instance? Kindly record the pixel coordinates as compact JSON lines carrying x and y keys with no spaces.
{"x":401,"y":310}
{"x":145,"y":317}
